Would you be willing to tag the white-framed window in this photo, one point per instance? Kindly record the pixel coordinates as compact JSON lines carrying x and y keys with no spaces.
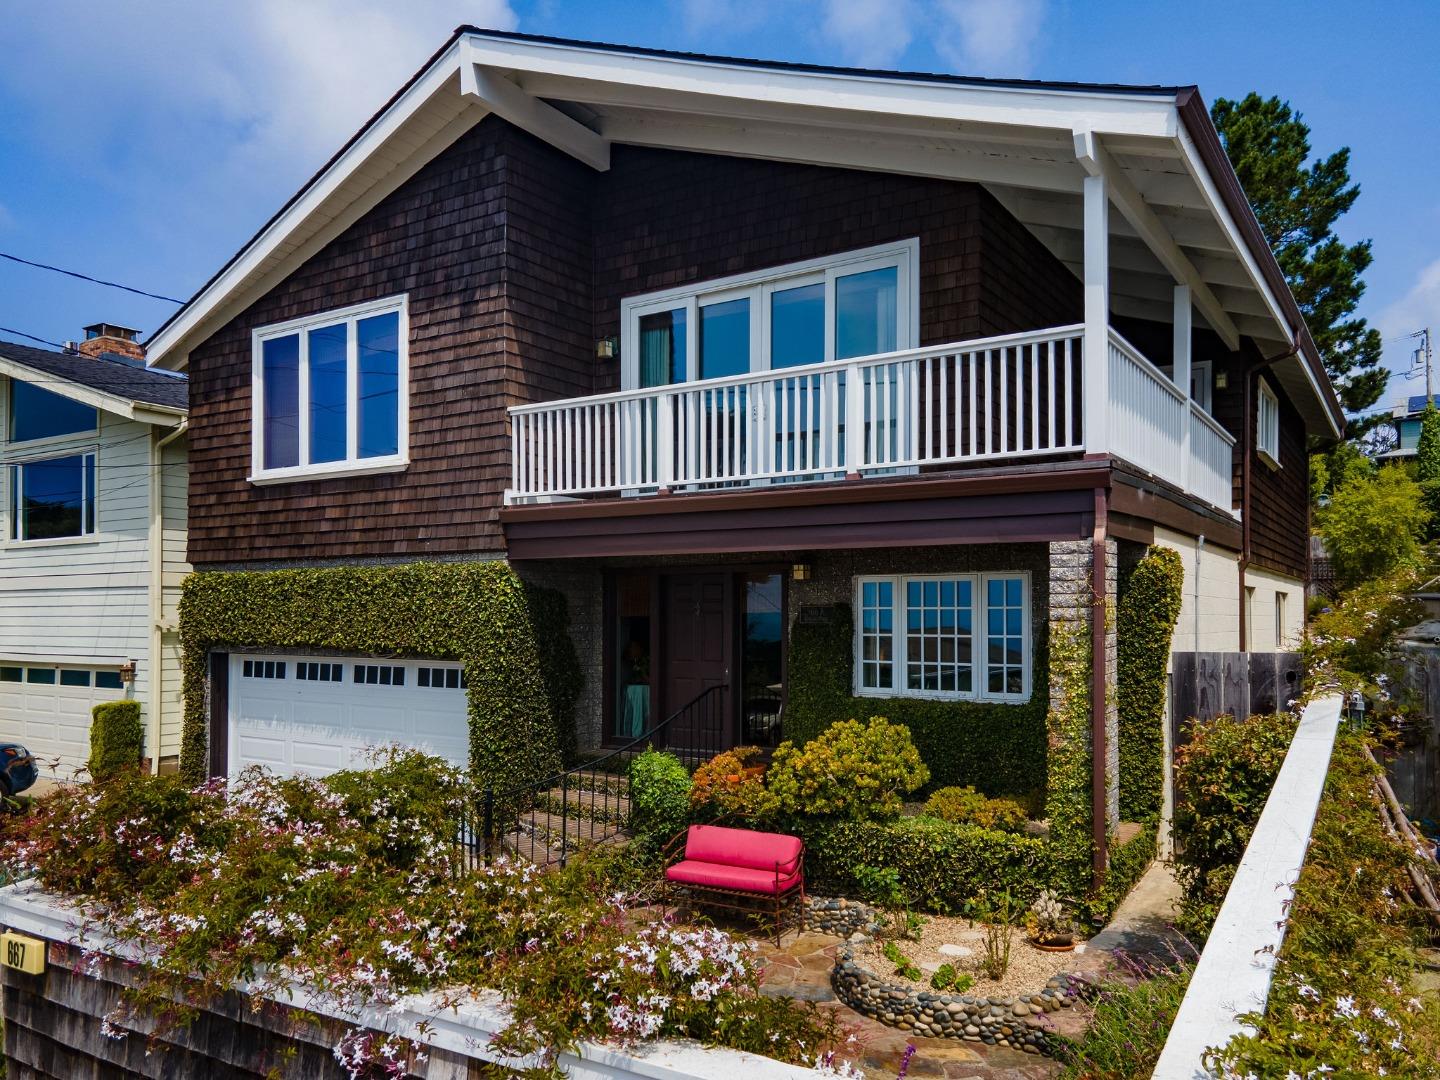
{"x":52,"y":498}
{"x":1280,"y":628}
{"x":1201,"y":382}
{"x":952,"y":636}
{"x":1267,"y":423}
{"x":859,"y":303}
{"x":36,"y":414}
{"x":331,"y":393}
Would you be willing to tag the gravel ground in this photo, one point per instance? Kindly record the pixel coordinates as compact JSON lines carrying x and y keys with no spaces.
{"x":1028,"y":972}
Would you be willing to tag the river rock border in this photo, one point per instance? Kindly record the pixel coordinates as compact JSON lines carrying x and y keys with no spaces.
{"x":835,"y":915}
{"x":1006,"y":1021}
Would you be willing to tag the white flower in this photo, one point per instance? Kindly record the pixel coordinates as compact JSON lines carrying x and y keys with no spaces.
{"x":1345,"y":1006}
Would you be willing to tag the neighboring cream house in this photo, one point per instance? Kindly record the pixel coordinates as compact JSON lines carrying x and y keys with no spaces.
{"x":92,"y":555}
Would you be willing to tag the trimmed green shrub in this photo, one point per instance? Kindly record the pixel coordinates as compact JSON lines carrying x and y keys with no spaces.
{"x":966,"y":806}
{"x":479,"y":613}
{"x":1222,"y":778}
{"x":659,"y":798}
{"x":941,"y":867}
{"x":997,"y":748}
{"x":1145,"y":623}
{"x":117,"y":738}
{"x":853,"y":770}
{"x":559,"y":665}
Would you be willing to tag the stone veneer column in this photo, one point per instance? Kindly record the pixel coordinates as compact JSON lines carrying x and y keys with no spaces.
{"x":1073,"y":600}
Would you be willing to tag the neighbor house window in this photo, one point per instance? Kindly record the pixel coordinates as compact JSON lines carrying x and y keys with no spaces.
{"x":943,"y":636}
{"x":1280,"y":634}
{"x":331,"y":392}
{"x":1267,"y":423}
{"x":52,"y":498}
{"x":37,"y":413}
{"x":856,"y":304}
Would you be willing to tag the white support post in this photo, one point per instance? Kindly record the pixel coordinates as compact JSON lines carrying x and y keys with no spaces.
{"x":854,"y":421}
{"x":665,"y":406}
{"x":1097,"y":313}
{"x":1181,"y":369}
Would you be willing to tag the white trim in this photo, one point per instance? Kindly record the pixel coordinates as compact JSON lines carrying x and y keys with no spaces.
{"x":758,"y":286}
{"x":1233,"y":974}
{"x":351,"y":465}
{"x":89,"y":505}
{"x":979,"y":634}
{"x":1267,"y":423}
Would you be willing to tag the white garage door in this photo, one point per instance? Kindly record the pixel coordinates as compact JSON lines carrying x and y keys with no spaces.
{"x":46,"y":708}
{"x":318,"y":714}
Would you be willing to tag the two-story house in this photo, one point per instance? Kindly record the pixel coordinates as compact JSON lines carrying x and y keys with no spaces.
{"x":724,"y":348}
{"x":93,"y":475}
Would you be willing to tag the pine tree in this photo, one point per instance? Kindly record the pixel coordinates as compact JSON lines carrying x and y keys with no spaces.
{"x":1297,"y":206}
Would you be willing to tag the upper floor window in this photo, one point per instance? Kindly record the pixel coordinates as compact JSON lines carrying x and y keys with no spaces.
{"x":37,"y":413}
{"x":857,"y":304}
{"x":331,"y":392}
{"x":943,"y":636}
{"x":52,"y":498}
{"x":1267,"y":423}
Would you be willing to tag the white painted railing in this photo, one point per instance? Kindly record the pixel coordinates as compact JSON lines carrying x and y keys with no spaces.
{"x":1212,"y":453}
{"x":1233,"y":974}
{"x":992,"y":399}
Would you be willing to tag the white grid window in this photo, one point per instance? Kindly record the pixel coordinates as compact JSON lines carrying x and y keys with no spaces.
{"x":1267,"y":423}
{"x":951,"y":636}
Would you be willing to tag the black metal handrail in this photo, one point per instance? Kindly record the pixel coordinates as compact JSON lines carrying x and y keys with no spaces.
{"x":589,"y":803}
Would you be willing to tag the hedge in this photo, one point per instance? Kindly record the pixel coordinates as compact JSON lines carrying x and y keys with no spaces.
{"x":479,"y":613}
{"x":1145,"y":623}
{"x":996,"y":748}
{"x":942,"y":866}
{"x":117,"y":738}
{"x":1068,"y":793}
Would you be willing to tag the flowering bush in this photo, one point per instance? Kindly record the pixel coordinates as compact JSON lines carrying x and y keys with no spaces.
{"x":349,"y":884}
{"x":1350,"y":646}
{"x":1340,"y":1004}
{"x":851,"y":770}
{"x":726,"y":785}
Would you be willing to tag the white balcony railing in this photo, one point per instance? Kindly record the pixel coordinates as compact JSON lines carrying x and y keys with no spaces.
{"x":993,"y":399}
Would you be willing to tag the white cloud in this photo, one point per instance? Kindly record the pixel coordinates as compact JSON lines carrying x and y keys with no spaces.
{"x":1418,"y":308}
{"x":870,"y":33}
{"x":989,"y":37}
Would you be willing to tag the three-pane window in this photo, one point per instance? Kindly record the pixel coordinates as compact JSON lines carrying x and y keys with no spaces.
{"x":943,"y":636}
{"x":52,"y":498}
{"x":330,"y":392}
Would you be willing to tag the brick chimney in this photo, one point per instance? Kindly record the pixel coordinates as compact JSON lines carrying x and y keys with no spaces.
{"x":104,"y":338}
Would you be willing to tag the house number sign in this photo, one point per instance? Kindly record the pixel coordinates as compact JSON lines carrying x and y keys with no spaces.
{"x":22,"y":953}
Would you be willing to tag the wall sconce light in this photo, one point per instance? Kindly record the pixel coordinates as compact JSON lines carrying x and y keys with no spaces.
{"x":800,"y":572}
{"x":127,"y":671}
{"x":607,"y":348}
{"x":1222,"y":379}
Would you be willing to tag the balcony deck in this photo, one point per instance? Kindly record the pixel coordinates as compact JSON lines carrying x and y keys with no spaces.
{"x":992,"y":401}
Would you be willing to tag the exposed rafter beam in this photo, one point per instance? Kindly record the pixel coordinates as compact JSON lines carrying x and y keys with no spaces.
{"x":826,"y":147}
{"x":1097,"y":161}
{"x":544,"y":121}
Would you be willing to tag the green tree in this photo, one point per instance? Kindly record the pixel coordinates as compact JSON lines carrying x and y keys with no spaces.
{"x":1297,"y":205}
{"x":1336,"y":466}
{"x":1373,"y":525}
{"x":1427,"y":460}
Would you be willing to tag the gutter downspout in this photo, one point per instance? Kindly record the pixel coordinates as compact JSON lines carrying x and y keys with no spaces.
{"x":157,"y":587}
{"x":1099,"y":748}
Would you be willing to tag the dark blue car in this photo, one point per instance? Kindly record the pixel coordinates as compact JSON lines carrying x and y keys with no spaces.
{"x":17,"y":769}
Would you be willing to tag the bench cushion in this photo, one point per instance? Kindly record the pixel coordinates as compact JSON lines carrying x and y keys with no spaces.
{"x":745,"y":848}
{"x":738,"y":878}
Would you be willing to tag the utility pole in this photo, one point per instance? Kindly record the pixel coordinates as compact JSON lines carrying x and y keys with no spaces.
{"x":1424,"y":336}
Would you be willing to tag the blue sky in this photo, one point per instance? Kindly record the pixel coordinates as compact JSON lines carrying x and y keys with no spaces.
{"x":144,"y":142}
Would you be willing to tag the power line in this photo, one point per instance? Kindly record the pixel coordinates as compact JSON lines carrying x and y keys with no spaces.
{"x":87,"y":277}
{"x":43,"y":341}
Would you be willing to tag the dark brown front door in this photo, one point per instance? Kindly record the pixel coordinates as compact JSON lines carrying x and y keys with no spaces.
{"x":695,"y":626}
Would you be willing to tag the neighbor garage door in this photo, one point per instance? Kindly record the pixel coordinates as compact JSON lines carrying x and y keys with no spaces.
{"x":46,"y":708}
{"x":317,"y":714}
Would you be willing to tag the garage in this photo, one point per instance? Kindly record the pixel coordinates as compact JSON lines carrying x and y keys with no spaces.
{"x":46,"y":708}
{"x":314,"y":715}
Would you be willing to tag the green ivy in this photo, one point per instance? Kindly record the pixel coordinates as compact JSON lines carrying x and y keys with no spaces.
{"x":117,"y":738}
{"x":559,"y":664}
{"x":941,"y":866}
{"x":996,"y":748}
{"x":1068,"y":788}
{"x":478,"y":613}
{"x":1145,"y":623}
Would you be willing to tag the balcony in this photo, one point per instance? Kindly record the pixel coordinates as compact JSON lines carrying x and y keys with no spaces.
{"x":989,"y":401}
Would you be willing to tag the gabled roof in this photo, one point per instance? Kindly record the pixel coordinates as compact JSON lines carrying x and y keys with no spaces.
{"x":113,"y":384}
{"x":1182,"y":216}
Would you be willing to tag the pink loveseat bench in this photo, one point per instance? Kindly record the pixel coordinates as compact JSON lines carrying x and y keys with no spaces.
{"x":723,"y":866}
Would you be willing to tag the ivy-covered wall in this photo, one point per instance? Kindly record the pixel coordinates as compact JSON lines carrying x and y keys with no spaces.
{"x":519,"y":661}
{"x":1149,"y":605}
{"x":997,"y":748}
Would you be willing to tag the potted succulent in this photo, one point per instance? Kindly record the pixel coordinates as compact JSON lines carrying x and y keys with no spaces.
{"x":1049,"y":927}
